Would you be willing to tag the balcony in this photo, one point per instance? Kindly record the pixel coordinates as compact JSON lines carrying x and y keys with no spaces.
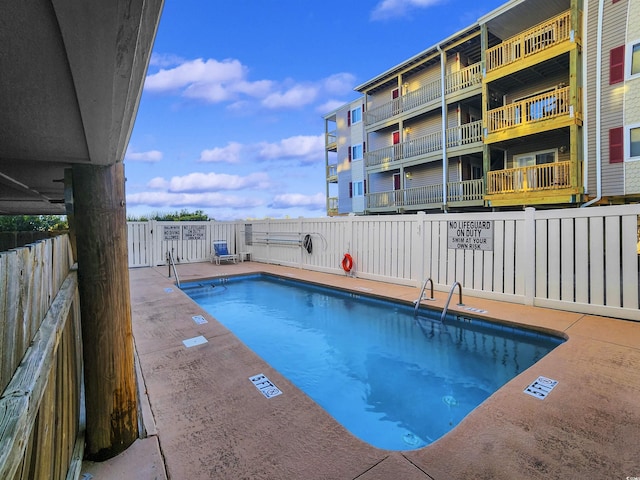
{"x":553,"y":36}
{"x":468,"y":136}
{"x":463,"y":193}
{"x":539,"y":113}
{"x":332,"y":206}
{"x":543,"y":178}
{"x":332,"y":173}
{"x":330,"y":140}
{"x":454,"y":82}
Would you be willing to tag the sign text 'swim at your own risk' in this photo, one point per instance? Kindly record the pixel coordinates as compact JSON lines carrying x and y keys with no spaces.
{"x":470,"y":234}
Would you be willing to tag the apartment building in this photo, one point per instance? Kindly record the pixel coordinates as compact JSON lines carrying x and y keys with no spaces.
{"x":344,"y":159}
{"x":504,"y":114}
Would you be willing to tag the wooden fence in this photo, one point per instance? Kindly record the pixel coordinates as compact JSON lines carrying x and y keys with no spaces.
{"x":41,"y":352}
{"x":582,"y":260}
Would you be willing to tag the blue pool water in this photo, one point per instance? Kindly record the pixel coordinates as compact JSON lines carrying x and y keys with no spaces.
{"x":395,"y":381}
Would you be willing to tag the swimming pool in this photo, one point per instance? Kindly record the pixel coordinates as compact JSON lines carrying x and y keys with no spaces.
{"x":396,"y":381}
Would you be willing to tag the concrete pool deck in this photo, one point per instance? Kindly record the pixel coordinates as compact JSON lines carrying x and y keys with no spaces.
{"x":206,"y":420}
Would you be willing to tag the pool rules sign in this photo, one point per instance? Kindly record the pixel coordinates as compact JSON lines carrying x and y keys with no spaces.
{"x":470,"y":235}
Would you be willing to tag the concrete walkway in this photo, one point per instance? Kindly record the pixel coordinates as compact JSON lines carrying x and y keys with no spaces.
{"x":206,"y":420}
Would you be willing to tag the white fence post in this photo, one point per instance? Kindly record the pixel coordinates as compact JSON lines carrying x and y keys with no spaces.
{"x":529,"y":259}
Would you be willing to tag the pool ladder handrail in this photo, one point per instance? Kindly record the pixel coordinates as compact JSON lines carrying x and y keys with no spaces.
{"x":172,"y":263}
{"x":421,"y":297}
{"x":446,"y":305}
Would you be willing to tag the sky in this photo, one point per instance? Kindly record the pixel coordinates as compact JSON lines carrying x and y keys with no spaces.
{"x":230,"y":120}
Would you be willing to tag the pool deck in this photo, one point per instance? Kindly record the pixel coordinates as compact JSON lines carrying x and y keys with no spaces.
{"x":206,"y":420}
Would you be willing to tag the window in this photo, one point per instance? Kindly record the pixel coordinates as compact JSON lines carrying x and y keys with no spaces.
{"x":633,"y":142}
{"x":633,"y":59}
{"x":356,"y":115}
{"x":356,"y":152}
{"x":358,"y":189}
{"x":616,"y":65}
{"x":535,"y":158}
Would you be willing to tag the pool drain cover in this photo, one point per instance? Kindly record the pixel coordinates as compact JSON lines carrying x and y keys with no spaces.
{"x":450,"y":400}
{"x":410,"y":439}
{"x":199,"y":319}
{"x":541,"y":387}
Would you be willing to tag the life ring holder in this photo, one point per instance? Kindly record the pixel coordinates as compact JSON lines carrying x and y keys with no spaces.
{"x":347,"y":262}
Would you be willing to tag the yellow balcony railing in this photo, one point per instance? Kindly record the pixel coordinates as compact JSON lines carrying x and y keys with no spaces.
{"x":533,"y":109}
{"x":548,"y":176}
{"x":544,"y":35}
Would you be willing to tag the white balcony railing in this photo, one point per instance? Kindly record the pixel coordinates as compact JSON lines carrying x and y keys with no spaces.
{"x":428,"y":195}
{"x":456,"y":81}
{"x":456,"y":136}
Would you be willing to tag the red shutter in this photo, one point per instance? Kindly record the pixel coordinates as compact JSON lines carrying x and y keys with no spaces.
{"x":363,"y":108}
{"x":350,"y":189}
{"x":349,"y":118}
{"x":349,"y":153}
{"x":616,"y":145}
{"x":364,"y":147}
{"x":365,"y":187}
{"x":616,"y":65}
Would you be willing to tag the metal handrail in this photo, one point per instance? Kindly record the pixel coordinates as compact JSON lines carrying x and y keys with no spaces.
{"x":420,"y":298}
{"x":172,"y":263}
{"x":446,"y":305}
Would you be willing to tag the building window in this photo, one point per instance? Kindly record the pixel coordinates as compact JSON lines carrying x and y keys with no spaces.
{"x":535,"y":158}
{"x":633,"y":58}
{"x":633,"y":142}
{"x":356,"y":152}
{"x":356,"y":115}
{"x":358,"y":189}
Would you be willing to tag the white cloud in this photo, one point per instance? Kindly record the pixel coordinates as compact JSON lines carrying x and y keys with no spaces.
{"x":307,"y":148}
{"x":339,"y":83}
{"x":397,"y":8}
{"x":192,"y":200}
{"x":216,"y":81}
{"x":329,"y":106}
{"x":296,"y":96}
{"x":228,"y":154}
{"x":151,"y":156}
{"x":208,"y":182}
{"x":158,"y":183}
{"x":291,"y":200}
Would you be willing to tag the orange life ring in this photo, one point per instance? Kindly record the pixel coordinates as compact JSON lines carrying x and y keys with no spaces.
{"x":347,"y":263}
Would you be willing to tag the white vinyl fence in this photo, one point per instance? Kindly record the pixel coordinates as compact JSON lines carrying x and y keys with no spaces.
{"x":582,"y":260}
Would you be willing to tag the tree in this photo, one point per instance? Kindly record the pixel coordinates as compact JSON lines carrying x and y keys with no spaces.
{"x":32,"y":223}
{"x":182,"y":216}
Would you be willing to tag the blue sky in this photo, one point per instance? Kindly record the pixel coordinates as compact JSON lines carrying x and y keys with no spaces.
{"x":231,"y":116}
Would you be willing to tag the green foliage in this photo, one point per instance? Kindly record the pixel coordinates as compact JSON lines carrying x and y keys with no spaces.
{"x":182,"y":216}
{"x":32,"y":223}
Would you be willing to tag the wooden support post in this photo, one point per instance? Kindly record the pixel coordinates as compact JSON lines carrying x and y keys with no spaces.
{"x":103,"y":283}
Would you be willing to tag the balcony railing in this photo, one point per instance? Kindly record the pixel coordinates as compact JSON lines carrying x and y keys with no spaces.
{"x":332,"y":173}
{"x":548,"y":176}
{"x":456,"y":136}
{"x":533,"y":109}
{"x":332,"y":206}
{"x":544,"y":35}
{"x":463,"y":191}
{"x":330,"y":139}
{"x":465,"y":78}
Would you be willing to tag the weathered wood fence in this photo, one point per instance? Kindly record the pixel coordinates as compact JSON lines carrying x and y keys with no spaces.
{"x":41,"y":352}
{"x":582,"y":260}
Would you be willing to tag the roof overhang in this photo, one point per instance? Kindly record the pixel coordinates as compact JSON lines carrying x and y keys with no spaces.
{"x":72,"y":77}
